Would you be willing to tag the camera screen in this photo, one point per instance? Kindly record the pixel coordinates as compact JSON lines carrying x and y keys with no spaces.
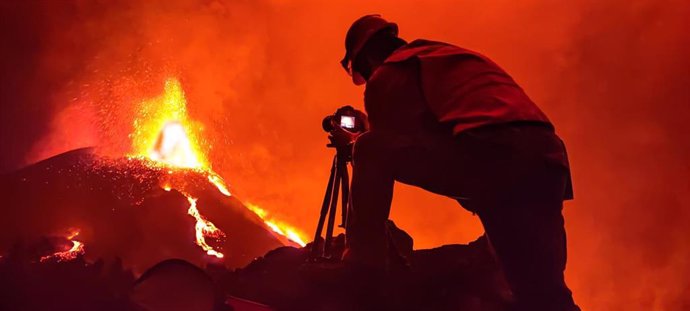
{"x":347,"y":122}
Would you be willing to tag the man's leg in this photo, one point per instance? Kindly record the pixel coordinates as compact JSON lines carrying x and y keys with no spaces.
{"x":378,"y":161}
{"x":371,"y":194}
{"x":530,"y":243}
{"x":521,"y":213}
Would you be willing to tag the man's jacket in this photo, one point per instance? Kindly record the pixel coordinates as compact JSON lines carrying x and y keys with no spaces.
{"x":461,"y":89}
{"x":428,"y":92}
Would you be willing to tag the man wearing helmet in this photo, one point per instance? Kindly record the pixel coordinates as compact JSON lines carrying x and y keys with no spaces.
{"x":451,"y":121}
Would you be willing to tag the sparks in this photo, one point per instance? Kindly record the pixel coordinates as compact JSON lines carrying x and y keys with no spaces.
{"x":164,"y":133}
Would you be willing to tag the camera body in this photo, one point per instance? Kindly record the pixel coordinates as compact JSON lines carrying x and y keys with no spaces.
{"x":347,"y":118}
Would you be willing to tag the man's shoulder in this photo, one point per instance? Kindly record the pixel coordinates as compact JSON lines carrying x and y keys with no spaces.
{"x":426,"y":48}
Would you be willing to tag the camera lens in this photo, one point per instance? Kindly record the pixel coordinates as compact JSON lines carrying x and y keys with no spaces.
{"x":327,"y":123}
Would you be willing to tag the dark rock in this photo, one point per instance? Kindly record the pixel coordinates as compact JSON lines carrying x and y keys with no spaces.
{"x":451,"y":277}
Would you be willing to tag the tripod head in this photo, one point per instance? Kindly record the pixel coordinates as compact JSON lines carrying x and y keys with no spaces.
{"x":343,"y":151}
{"x":344,"y":126}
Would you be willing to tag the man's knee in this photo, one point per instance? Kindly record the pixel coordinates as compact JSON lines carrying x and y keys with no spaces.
{"x":369,"y":147}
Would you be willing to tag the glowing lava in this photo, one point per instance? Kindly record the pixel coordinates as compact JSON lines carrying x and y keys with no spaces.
{"x":70,"y":254}
{"x":204,"y":228}
{"x":173,"y":147}
{"x":164,"y":134}
{"x":276,"y":225}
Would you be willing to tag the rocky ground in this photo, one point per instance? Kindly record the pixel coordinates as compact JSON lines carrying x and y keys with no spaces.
{"x":451,"y":277}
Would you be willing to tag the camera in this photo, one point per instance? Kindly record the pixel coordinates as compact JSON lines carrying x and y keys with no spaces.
{"x":346,"y":118}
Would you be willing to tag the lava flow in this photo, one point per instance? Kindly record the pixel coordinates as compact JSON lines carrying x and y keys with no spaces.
{"x":277,"y":226}
{"x":165,"y":136}
{"x":72,"y":253}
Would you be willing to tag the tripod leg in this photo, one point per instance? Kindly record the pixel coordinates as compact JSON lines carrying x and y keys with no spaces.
{"x":345,"y":206}
{"x":315,"y":248}
{"x":331,"y":215}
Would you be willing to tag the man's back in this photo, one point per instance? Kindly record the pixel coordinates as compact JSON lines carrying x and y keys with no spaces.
{"x":436,"y":86}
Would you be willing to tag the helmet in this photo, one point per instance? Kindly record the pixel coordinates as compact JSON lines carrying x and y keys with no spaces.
{"x":358,"y":35}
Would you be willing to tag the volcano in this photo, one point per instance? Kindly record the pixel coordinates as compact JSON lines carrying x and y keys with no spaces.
{"x":121,"y":207}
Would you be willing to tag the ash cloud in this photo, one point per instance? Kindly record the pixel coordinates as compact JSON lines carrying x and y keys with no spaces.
{"x":260,"y":75}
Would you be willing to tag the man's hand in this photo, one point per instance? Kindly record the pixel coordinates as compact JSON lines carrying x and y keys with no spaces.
{"x":341,"y":137}
{"x":344,"y":139}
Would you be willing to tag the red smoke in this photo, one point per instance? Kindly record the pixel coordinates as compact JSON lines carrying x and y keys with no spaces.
{"x":612,"y":75}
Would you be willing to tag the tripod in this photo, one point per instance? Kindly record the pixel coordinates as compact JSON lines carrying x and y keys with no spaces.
{"x":338,"y":179}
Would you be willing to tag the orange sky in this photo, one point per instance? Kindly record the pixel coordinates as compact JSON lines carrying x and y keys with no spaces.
{"x":260,"y":75}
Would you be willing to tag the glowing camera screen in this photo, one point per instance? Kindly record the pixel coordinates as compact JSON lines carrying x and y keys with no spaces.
{"x":347,"y":122}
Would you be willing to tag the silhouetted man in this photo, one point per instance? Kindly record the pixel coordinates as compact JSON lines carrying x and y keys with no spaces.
{"x":451,"y":121}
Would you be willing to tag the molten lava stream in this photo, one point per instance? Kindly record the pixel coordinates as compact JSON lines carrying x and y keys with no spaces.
{"x":204,"y":228}
{"x":70,"y":254}
{"x":277,"y":226}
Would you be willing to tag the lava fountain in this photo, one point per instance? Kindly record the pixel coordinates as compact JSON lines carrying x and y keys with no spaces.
{"x":166,"y":137}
